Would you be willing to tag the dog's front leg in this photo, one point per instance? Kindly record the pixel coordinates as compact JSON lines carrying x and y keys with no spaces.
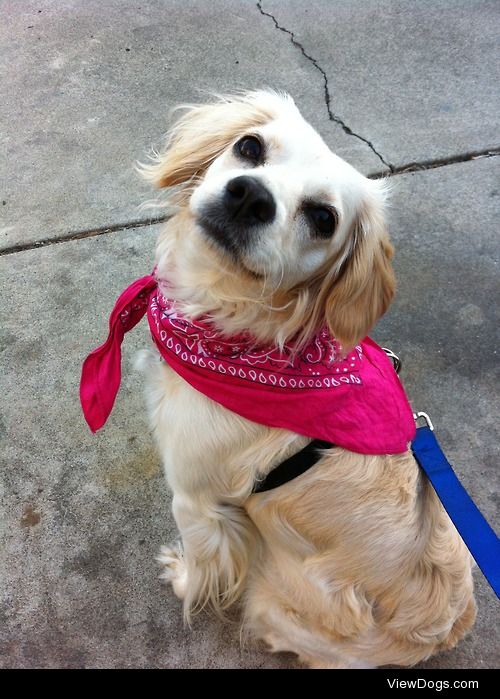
{"x":210,"y":568}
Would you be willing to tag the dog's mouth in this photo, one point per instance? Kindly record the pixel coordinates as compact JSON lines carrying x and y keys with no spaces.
{"x":225,"y":240}
{"x":218,"y":234}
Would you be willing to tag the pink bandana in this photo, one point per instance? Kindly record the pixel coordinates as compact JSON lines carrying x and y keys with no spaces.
{"x":356,"y":402}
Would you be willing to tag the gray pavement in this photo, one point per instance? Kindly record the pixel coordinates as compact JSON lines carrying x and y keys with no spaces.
{"x":81,"y":516}
{"x":418,"y":79}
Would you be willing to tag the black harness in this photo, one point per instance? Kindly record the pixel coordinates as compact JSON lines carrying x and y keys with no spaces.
{"x":295,"y":466}
{"x":304,"y":459}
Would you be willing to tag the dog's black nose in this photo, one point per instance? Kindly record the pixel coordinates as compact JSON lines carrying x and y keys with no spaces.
{"x":248,"y":201}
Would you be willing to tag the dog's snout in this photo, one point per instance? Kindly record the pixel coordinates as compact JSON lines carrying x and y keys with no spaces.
{"x":248,"y":201}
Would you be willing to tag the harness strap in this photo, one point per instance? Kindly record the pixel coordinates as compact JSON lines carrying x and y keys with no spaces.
{"x":477,"y":534}
{"x":294,"y":466}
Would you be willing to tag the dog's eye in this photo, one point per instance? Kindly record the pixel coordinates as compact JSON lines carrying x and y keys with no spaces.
{"x":324,"y":220}
{"x":250,"y":148}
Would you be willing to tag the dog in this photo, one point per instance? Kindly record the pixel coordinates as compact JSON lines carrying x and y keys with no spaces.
{"x":354,"y":563}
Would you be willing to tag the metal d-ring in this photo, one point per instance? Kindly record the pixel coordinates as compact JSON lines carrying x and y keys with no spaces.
{"x":396,"y":361}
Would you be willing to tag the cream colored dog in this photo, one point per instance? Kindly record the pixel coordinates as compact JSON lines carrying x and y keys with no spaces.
{"x":354,"y":563}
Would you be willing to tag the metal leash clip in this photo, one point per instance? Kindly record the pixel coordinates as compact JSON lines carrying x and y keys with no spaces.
{"x":424,"y":416}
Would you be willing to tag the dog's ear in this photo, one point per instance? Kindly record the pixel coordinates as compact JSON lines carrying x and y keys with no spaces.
{"x":357,"y":298}
{"x":202,"y":133}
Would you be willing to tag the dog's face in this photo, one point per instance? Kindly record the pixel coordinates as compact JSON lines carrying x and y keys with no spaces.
{"x":262,"y":189}
{"x":278,"y":200}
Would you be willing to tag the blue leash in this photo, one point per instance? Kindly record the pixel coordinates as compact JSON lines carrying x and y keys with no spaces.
{"x":477,"y":534}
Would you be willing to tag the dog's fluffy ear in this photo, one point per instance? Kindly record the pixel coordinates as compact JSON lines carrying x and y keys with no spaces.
{"x":204,"y":131}
{"x":361,"y":295}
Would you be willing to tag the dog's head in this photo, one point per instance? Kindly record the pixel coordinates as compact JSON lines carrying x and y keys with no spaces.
{"x":259,"y":185}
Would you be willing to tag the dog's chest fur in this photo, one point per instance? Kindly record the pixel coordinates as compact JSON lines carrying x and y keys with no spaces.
{"x":203,"y":442}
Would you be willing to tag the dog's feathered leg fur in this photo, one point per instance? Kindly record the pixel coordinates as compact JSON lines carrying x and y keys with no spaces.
{"x":217,"y":535}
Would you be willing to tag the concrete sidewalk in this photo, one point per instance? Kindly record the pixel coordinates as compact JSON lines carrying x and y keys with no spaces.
{"x":391,"y":85}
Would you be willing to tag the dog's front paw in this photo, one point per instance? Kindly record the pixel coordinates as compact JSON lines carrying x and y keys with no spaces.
{"x":174,"y":569}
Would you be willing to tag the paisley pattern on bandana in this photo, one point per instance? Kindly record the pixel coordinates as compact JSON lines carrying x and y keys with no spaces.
{"x":197,"y":343}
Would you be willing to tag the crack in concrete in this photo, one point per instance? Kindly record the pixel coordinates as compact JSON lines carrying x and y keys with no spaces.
{"x":420,"y":166}
{"x":81,"y":235}
{"x":332,"y":117}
